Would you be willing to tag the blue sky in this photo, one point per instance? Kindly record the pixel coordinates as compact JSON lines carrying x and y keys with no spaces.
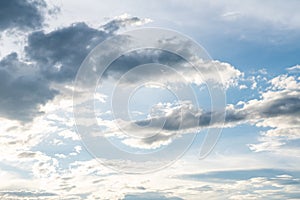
{"x":49,"y":148}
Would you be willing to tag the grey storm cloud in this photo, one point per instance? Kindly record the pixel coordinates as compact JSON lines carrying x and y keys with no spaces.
{"x":23,"y":14}
{"x":52,"y":57}
{"x":21,"y":93}
{"x":60,"y":53}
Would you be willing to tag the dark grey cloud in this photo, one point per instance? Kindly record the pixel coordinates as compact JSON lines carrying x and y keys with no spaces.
{"x":282,"y":106}
{"x":24,"y":87}
{"x":181,"y":117}
{"x":185,"y":118}
{"x":54,"y":57}
{"x":176,"y":68}
{"x":60,"y":53}
{"x":25,"y":14}
{"x":135,"y":58}
{"x":21,"y":93}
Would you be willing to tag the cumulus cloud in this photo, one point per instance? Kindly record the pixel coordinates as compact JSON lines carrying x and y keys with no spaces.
{"x":25,"y":14}
{"x":182,"y":72}
{"x":50,"y":58}
{"x":278,"y":105}
{"x":278,"y":108}
{"x":22,"y":89}
{"x":60,"y":52}
{"x":169,"y":121}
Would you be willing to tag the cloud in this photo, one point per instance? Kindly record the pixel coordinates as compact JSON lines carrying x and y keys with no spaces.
{"x":179,"y":70}
{"x":85,"y":178}
{"x":247,"y":184}
{"x":278,"y":107}
{"x":167,"y":122}
{"x":60,"y":53}
{"x":25,"y":194}
{"x":282,"y":141}
{"x":57,"y":55}
{"x":25,"y":14}
{"x":241,"y":174}
{"x":176,"y":121}
{"x":294,"y":69}
{"x":50,"y":58}
{"x":123,"y":21}
{"x":26,"y":154}
{"x":149,"y":195}
{"x":22,"y":89}
{"x":283,"y":106}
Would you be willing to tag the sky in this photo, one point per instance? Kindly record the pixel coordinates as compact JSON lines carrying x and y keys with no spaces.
{"x":149,"y":99}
